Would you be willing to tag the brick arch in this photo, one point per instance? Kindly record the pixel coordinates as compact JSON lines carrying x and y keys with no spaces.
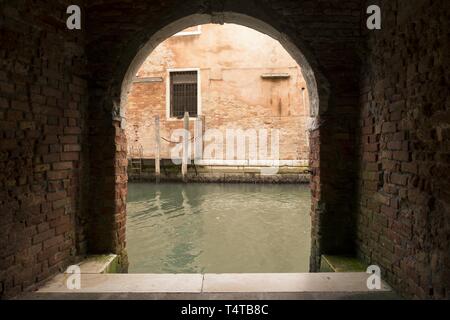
{"x":119,"y":61}
{"x":318,"y":99}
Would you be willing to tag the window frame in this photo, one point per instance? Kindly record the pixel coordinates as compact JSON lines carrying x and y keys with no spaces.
{"x":168,"y":92}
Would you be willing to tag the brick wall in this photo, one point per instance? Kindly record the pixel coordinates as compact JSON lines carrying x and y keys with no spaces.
{"x":42,"y":99}
{"x":402,"y":137}
{"x":404,"y":221}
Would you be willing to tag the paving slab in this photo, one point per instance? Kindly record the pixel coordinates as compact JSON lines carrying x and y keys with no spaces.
{"x":288,"y":282}
{"x":105,"y":283}
{"x":255,"y":286}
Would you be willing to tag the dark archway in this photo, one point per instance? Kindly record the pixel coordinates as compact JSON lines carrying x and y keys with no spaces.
{"x":332,"y":98}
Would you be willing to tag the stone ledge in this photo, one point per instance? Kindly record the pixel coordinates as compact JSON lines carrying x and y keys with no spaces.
{"x":331,"y":263}
{"x":216,"y":283}
{"x":106,"y":263}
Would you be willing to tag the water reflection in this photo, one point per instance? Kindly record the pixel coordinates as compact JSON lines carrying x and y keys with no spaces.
{"x":217,"y":228}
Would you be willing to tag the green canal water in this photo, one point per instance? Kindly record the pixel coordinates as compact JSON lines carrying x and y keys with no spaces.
{"x":218,"y":228}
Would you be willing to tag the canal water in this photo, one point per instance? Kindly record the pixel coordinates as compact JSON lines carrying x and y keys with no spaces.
{"x":218,"y":228}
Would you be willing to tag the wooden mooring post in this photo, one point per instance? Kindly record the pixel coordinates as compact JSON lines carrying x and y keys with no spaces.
{"x":185,"y":157}
{"x":198,"y":139}
{"x":157,"y":150}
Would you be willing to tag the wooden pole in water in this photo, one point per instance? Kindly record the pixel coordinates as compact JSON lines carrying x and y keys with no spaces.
{"x":157,"y":150}
{"x":184,"y":163}
{"x":198,"y":140}
{"x":203,"y":118}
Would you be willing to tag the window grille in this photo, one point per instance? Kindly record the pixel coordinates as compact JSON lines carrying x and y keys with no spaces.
{"x":183,"y":93}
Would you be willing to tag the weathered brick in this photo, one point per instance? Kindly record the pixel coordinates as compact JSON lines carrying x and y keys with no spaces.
{"x":389,"y":127}
{"x":51,"y":158}
{"x":20,"y":105}
{"x":399,"y":179}
{"x":72,"y":147}
{"x":72,"y":130}
{"x":409,"y":167}
{"x":69,"y":139}
{"x":62,"y":165}
{"x":53,"y":241}
{"x":395,"y":145}
{"x":14,"y":115}
{"x":42,"y":236}
{"x":57,"y":175}
{"x":70,"y":156}
{"x":72,"y":113}
{"x":56,"y":195}
{"x":402,"y":155}
{"x":58,"y":204}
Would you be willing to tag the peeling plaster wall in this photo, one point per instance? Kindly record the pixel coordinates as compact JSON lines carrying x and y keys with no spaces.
{"x":231,"y":60}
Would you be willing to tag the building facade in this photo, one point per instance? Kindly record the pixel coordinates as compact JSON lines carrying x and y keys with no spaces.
{"x":233,"y":78}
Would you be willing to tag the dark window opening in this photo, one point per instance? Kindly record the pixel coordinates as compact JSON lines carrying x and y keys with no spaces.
{"x":183,"y":93}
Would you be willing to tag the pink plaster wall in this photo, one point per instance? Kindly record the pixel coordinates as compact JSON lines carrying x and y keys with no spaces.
{"x":231,"y":59}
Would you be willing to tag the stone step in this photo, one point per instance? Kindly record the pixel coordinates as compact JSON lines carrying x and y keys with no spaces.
{"x":214,"y":283}
{"x":333,"y":263}
{"x":105,"y":263}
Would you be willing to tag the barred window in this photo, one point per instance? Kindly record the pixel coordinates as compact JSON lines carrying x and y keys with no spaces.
{"x":183,"y":93}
